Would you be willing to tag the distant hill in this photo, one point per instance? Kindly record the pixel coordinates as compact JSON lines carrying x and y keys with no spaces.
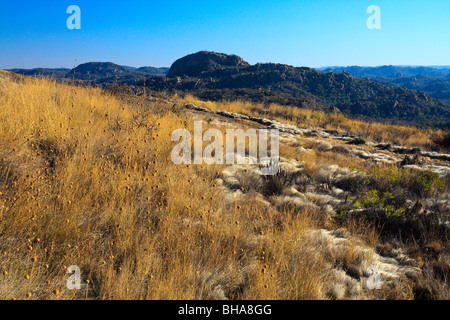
{"x":154,"y":71}
{"x":437,"y":87}
{"x":108,"y":73}
{"x":434,"y":81}
{"x":390,"y":71}
{"x":57,"y":73}
{"x":101,"y":72}
{"x":149,"y":70}
{"x":97,"y":70}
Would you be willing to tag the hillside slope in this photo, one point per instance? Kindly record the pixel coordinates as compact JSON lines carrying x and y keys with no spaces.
{"x":86,"y":179}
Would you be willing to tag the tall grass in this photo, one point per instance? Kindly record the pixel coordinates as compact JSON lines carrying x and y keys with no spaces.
{"x":86,"y":179}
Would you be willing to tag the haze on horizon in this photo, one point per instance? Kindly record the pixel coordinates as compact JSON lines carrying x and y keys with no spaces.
{"x":155,"y":33}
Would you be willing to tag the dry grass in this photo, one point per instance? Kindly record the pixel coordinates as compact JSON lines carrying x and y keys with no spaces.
{"x":86,"y":179}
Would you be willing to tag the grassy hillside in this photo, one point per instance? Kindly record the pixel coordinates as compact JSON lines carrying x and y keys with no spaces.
{"x":86,"y":179}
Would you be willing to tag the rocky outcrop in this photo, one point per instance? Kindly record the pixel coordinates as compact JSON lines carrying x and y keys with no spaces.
{"x":195,"y":64}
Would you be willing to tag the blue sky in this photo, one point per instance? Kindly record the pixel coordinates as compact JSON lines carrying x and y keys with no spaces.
{"x":310,"y":33}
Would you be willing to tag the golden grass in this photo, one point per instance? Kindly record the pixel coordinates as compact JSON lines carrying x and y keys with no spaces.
{"x":86,"y":179}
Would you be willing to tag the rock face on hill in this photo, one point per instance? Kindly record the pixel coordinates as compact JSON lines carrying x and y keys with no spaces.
{"x":194,"y":65}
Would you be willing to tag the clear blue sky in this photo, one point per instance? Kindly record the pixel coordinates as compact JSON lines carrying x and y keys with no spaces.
{"x":311,"y":33}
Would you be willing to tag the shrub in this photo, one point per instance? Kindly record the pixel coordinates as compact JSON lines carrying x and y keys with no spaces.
{"x":426,"y":182}
{"x":442,"y":140}
{"x":274,"y":184}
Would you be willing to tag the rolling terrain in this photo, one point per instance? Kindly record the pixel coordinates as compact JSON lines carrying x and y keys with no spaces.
{"x":381,"y":94}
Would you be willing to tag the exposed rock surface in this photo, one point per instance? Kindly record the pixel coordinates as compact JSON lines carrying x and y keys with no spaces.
{"x":392,"y":154}
{"x":195,"y":64}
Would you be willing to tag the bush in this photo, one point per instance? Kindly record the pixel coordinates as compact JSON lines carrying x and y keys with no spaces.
{"x":275,"y":184}
{"x":424,"y":182}
{"x":443,"y":140}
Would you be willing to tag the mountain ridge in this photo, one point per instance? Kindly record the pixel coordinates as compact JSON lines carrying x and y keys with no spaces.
{"x":97,"y":70}
{"x":305,"y":87}
{"x":218,"y":76}
{"x":434,"y":81}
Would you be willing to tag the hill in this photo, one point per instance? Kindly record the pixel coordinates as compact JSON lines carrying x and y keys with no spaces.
{"x":434,"y":81}
{"x":57,"y":73}
{"x":213,"y":76}
{"x":390,"y":71}
{"x":437,"y":87}
{"x":153,"y":71}
{"x":103,"y":72}
{"x":97,"y":70}
{"x":203,"y":62}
